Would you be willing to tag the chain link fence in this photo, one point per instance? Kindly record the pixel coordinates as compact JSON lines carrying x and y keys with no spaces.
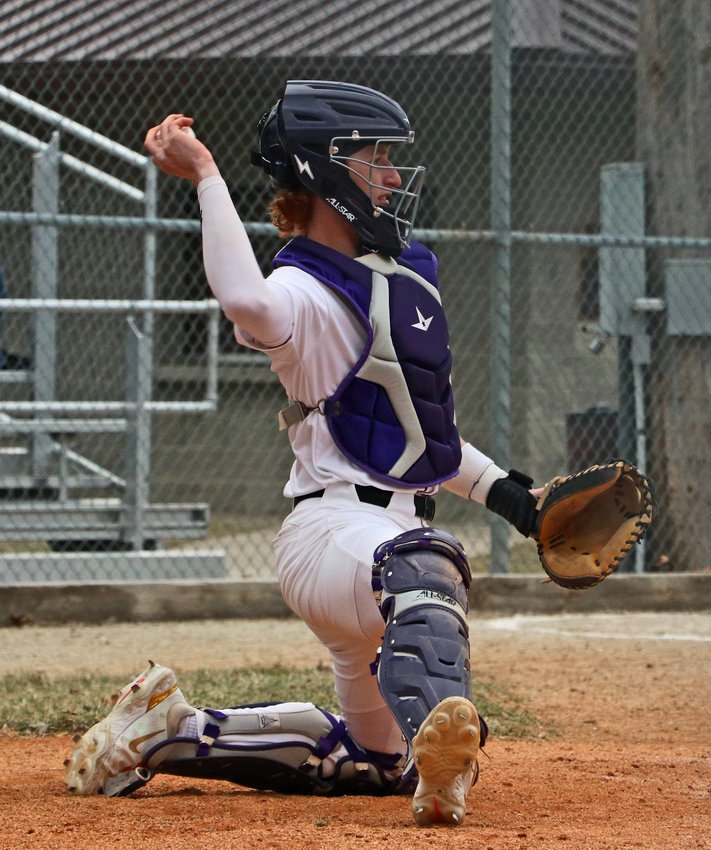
{"x":568,"y":198}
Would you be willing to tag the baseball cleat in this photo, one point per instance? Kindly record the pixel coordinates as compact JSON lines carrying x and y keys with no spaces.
{"x":108,"y":759}
{"x":444,"y":752}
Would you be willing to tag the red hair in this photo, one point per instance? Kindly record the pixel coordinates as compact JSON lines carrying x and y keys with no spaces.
{"x":291,"y":211}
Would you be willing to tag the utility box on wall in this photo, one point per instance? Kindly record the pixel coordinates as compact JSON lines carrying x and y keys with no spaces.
{"x":622,"y":268}
{"x":688,"y":297}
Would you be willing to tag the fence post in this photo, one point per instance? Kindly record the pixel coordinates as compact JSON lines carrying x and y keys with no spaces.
{"x":138,"y":432}
{"x":622,"y":282}
{"x":45,"y":199}
{"x":139,"y":380}
{"x":501,"y":271}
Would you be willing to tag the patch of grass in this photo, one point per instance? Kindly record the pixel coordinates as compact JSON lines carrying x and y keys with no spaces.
{"x":505,"y":713}
{"x":36,"y":704}
{"x":8,"y":547}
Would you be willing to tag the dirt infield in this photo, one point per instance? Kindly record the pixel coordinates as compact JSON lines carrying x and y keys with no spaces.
{"x":629,"y":765}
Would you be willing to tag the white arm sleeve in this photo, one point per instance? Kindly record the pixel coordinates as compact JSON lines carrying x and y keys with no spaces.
{"x":477,"y":473}
{"x":247,"y":299}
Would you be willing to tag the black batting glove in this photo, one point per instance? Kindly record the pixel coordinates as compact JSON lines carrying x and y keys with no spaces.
{"x":512,"y":499}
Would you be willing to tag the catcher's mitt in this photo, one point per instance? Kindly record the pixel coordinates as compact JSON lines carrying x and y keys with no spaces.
{"x":586,"y":523}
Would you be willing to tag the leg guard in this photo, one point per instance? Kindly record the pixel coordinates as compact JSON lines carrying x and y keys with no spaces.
{"x":287,"y":747}
{"x":420,"y":580}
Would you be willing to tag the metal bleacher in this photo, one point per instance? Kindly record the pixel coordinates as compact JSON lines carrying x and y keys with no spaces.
{"x":96,"y":524}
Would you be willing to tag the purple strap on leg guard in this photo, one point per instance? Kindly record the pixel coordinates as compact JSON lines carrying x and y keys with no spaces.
{"x":339,"y":735}
{"x":214,"y":712}
{"x":328,"y":743}
{"x":207,"y":739}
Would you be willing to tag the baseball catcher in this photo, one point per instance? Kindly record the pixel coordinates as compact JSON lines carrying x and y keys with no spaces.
{"x":352,"y":319}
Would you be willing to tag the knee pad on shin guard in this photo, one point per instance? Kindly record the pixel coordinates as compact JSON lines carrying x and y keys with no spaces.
{"x":420,"y":580}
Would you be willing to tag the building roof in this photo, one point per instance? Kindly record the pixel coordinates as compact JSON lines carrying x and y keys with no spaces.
{"x":72,"y":30}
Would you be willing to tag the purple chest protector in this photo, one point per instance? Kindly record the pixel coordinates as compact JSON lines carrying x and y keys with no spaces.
{"x":393,"y":413}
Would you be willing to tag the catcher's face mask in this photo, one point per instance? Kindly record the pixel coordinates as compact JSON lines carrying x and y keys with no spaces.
{"x":393,"y":191}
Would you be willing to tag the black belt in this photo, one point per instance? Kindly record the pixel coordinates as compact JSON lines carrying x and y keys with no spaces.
{"x":424,"y":505}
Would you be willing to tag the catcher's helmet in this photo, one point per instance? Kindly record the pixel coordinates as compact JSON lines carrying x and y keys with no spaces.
{"x":307,"y":138}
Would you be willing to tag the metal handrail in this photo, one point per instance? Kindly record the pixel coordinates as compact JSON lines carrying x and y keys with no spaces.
{"x":90,"y":171}
{"x":64,"y":124}
{"x":110,"y":305}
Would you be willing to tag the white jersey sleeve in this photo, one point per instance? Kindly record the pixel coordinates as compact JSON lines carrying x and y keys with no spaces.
{"x":246,"y":297}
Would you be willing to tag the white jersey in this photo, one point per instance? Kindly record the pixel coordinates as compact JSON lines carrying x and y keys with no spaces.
{"x":325,"y":342}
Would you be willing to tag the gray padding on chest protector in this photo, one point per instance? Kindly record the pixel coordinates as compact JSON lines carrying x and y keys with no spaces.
{"x":235,"y":748}
{"x":420,"y":580}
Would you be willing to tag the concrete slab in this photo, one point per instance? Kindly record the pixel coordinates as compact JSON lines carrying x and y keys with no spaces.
{"x":99,"y":602}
